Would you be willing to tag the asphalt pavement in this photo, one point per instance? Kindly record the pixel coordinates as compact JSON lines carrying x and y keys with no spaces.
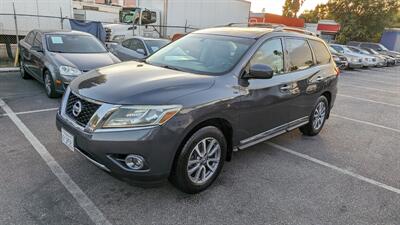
{"x":349,"y":174}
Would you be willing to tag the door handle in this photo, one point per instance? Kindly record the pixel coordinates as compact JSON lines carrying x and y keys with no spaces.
{"x":285,"y":88}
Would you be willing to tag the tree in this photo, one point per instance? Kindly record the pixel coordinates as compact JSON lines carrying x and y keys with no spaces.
{"x":292,"y":7}
{"x":320,"y":12}
{"x":362,"y":20}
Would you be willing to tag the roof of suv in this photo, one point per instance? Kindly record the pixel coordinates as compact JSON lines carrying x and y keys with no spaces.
{"x":247,"y":32}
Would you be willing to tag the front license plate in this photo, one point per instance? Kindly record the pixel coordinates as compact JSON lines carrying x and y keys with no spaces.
{"x":67,"y":139}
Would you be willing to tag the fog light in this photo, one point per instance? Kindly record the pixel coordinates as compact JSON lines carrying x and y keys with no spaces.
{"x":135,"y":162}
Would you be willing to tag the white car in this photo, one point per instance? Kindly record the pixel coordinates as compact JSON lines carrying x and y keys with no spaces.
{"x":367,"y":61}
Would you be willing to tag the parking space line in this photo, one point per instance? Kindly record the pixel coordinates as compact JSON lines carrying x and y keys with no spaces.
{"x":33,"y":111}
{"x":369,"y":88}
{"x":365,"y":122}
{"x":83,"y":200}
{"x":369,"y":100}
{"x":340,"y":170}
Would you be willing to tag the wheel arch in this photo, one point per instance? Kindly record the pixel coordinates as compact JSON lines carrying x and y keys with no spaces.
{"x":328,"y":96}
{"x":221,"y":123}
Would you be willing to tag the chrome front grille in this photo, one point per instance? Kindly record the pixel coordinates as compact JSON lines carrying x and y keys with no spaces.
{"x":87,"y":109}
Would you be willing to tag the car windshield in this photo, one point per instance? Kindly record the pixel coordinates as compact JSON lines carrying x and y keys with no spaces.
{"x":364,"y":51}
{"x":67,"y":43}
{"x":356,"y":50}
{"x":373,"y":51}
{"x":155,"y":45}
{"x":332,"y":50}
{"x":383,"y":47}
{"x":202,"y":53}
{"x":347,"y":50}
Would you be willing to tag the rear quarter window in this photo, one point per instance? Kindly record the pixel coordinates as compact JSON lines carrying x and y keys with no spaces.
{"x":321,"y":53}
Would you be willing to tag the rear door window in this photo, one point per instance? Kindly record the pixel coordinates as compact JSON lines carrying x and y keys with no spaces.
{"x":38,"y":40}
{"x":299,"y":54}
{"x":29,"y":38}
{"x":321,"y":53}
{"x":271,"y":54}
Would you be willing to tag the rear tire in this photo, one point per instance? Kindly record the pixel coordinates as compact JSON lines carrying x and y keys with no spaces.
{"x":49,"y":85}
{"x":318,"y":117}
{"x":196,"y":167}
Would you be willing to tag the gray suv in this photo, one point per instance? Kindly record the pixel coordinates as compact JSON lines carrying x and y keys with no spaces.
{"x":55,"y":58}
{"x":182,"y":112}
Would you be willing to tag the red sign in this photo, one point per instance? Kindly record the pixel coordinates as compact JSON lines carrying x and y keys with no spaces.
{"x":331,"y":28}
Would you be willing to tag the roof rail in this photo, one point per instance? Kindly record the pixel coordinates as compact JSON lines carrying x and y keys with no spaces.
{"x":275,"y":27}
{"x":284,"y":28}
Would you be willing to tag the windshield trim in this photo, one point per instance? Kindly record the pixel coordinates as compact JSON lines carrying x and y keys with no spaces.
{"x":203,"y":72}
{"x":82,"y":35}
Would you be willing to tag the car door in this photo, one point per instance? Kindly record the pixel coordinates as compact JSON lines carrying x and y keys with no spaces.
{"x":310,"y":69}
{"x":37,"y":56}
{"x":123,"y":51}
{"x":139,"y":48}
{"x":264,"y":108}
{"x":25,"y":48}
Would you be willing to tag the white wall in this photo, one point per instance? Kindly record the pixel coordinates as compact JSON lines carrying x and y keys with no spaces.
{"x":33,"y":7}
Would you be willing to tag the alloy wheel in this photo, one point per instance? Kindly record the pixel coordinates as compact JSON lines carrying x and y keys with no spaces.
{"x":47,"y":83}
{"x":204,"y":160}
{"x":319,"y":115}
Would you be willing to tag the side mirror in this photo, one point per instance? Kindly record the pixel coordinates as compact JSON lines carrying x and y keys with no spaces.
{"x":379,"y":49}
{"x":259,"y":71}
{"x":141,"y":51}
{"x":36,"y":48}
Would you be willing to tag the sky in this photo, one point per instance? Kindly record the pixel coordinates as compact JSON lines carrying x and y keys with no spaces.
{"x":275,"y":6}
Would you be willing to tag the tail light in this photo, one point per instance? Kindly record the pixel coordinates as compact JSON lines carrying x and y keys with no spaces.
{"x":337,"y":70}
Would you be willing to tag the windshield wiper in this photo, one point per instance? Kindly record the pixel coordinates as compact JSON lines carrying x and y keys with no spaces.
{"x":171,"y":67}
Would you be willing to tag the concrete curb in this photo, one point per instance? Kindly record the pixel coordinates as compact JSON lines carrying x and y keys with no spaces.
{"x":9,"y":69}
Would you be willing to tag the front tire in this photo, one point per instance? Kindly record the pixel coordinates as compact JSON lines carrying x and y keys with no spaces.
{"x":49,"y":85}
{"x":200,"y":161}
{"x":317,"y":118}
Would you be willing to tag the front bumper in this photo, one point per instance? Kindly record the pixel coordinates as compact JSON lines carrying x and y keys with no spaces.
{"x":156,"y":145}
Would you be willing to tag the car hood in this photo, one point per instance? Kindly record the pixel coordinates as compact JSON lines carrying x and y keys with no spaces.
{"x":85,"y":62}
{"x":134,"y":83}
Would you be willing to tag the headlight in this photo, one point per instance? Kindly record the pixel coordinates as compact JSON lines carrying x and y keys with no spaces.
{"x":69,"y":71}
{"x":137,"y":116}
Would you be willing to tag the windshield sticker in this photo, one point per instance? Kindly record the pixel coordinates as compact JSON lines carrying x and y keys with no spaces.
{"x":56,"y":40}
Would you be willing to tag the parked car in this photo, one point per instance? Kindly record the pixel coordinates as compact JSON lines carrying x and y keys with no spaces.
{"x":340,"y":59}
{"x":55,"y":58}
{"x":181,"y":112}
{"x":377,"y":47}
{"x":379,"y":61}
{"x":355,"y":60}
{"x":367,"y":61}
{"x":137,"y":48}
{"x":390,"y":61}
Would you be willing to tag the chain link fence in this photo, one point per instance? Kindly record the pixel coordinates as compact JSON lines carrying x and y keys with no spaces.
{"x":15,"y":26}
